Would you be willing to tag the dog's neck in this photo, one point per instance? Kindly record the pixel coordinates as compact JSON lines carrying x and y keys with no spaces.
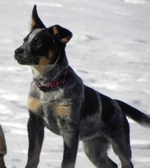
{"x":39,"y":70}
{"x":47,"y":74}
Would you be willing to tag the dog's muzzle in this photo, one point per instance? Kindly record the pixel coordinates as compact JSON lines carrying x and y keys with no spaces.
{"x":22,"y":57}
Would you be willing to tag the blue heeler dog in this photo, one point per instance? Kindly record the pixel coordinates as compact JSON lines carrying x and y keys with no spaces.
{"x":59,"y":100}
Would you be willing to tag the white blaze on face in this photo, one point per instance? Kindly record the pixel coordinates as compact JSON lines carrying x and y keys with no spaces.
{"x":33,"y":34}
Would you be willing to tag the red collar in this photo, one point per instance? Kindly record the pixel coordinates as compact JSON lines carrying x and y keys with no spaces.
{"x":54,"y":84}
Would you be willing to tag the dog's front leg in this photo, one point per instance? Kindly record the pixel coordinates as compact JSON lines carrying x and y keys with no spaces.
{"x":35,"y":135}
{"x":71,"y":139}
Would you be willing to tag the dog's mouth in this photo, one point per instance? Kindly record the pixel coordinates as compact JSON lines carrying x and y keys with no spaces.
{"x":19,"y":59}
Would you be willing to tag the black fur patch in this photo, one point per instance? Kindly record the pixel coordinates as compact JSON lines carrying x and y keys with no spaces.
{"x":107,"y":108}
{"x":91,"y":102}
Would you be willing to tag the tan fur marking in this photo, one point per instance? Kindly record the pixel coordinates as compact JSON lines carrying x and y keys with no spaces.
{"x":65,"y":40}
{"x":43,"y":60}
{"x":43,"y":64}
{"x":33,"y":23}
{"x":62,"y":111}
{"x":55,"y":30}
{"x":51,"y":56}
{"x":34,"y":104}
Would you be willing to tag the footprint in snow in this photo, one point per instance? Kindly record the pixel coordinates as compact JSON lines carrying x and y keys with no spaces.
{"x":87,"y":38}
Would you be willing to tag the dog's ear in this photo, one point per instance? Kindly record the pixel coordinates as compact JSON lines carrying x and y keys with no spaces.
{"x":36,"y":21}
{"x":61,"y":34}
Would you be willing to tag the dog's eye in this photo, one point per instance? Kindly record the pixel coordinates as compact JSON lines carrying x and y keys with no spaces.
{"x":36,"y":43}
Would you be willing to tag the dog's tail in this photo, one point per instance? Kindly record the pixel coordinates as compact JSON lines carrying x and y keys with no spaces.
{"x":134,"y":114}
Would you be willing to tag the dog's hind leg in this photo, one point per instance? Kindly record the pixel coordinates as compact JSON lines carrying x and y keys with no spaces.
{"x":121,"y":147}
{"x":96,"y":150}
{"x":121,"y":144}
{"x":123,"y":150}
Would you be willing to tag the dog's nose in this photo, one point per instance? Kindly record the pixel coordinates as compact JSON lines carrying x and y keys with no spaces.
{"x":19,"y":51}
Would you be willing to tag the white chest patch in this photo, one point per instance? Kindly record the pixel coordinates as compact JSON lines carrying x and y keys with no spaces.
{"x":52,"y":96}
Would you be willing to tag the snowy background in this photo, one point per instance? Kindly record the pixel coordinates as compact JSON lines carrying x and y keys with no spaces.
{"x":110,"y":50}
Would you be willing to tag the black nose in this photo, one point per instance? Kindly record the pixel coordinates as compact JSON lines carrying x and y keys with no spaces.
{"x":19,"y":51}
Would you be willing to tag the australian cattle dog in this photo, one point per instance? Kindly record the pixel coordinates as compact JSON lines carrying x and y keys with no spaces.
{"x":60,"y":101}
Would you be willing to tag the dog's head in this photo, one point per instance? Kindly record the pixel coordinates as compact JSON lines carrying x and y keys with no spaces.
{"x":42,"y":45}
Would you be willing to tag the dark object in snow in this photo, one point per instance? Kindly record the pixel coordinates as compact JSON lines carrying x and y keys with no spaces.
{"x":3,"y":149}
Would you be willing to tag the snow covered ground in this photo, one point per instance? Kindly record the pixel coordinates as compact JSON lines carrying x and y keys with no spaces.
{"x":110,"y":50}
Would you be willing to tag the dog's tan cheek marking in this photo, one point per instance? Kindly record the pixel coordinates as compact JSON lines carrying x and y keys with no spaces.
{"x":43,"y":60}
{"x":62,"y":111}
{"x":34,"y":104}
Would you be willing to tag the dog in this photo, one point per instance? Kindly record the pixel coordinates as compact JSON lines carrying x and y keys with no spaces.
{"x":60,"y":101}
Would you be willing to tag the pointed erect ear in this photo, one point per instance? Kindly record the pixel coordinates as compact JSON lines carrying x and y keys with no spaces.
{"x":61,"y":34}
{"x":36,"y":21}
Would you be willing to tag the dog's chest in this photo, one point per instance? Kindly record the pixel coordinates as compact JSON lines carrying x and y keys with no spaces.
{"x":51,"y":106}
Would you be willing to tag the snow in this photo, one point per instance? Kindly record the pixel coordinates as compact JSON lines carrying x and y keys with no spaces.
{"x":110,"y":50}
